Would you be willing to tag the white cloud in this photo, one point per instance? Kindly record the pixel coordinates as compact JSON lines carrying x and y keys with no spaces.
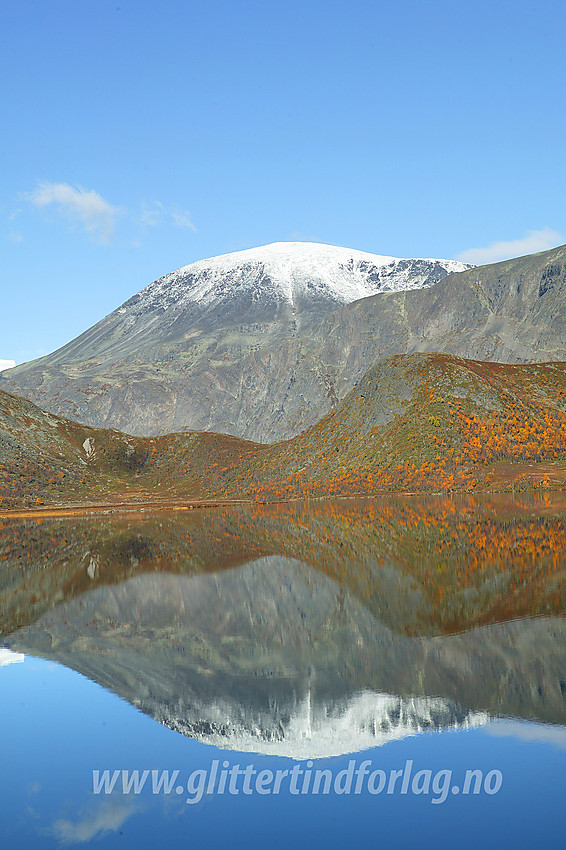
{"x":152,"y":214}
{"x":97,"y":216}
{"x":88,"y":208}
{"x":15,"y":237}
{"x":108,"y":817}
{"x":155,"y":213}
{"x":7,"y":364}
{"x":534,"y":241}
{"x":182,"y":218}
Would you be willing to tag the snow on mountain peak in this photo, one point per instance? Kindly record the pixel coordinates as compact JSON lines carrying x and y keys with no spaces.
{"x":287,"y":271}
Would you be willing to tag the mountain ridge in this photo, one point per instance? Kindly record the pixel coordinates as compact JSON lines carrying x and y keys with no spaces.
{"x":346,"y":273}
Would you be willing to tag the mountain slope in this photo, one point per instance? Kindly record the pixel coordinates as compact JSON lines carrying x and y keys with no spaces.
{"x":45,"y":459}
{"x":418,"y":422}
{"x":174,"y":356}
{"x":509,"y":312}
{"x":421,"y":421}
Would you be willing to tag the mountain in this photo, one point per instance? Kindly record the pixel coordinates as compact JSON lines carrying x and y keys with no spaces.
{"x":509,"y":312}
{"x":197,"y":348}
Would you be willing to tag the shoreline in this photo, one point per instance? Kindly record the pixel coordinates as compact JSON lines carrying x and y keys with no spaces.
{"x":178,"y":505}
{"x":117,"y":507}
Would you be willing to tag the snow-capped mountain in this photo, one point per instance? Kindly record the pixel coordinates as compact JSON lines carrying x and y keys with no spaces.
{"x":247,"y":300}
{"x":185,"y":352}
{"x":263,"y":343}
{"x":291,"y":272}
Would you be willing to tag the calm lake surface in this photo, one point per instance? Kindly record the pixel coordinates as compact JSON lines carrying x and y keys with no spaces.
{"x":380,"y":673}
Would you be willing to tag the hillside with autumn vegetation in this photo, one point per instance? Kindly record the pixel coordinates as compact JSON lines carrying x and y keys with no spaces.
{"x":47,"y":460}
{"x":421,"y":422}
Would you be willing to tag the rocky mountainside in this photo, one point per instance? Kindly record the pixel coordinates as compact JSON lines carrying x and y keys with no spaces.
{"x":197,"y":348}
{"x":511,"y":312}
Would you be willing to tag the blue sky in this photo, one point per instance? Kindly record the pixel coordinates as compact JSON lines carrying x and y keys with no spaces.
{"x":140,"y":136}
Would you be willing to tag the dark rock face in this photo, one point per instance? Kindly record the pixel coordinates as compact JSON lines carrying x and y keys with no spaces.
{"x":264,"y":367}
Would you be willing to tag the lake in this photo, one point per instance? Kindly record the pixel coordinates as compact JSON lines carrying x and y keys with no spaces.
{"x":377,"y":672}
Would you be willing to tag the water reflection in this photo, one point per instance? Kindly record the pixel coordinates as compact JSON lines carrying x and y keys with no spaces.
{"x":434,"y":566}
{"x":9,"y":657}
{"x":303,"y":630}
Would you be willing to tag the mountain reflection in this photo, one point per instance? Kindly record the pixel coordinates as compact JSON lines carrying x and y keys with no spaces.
{"x":303,"y":630}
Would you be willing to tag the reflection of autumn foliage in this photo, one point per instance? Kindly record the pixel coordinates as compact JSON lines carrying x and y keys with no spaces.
{"x":469,"y":566}
{"x":514,"y":567}
{"x":432,"y":565}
